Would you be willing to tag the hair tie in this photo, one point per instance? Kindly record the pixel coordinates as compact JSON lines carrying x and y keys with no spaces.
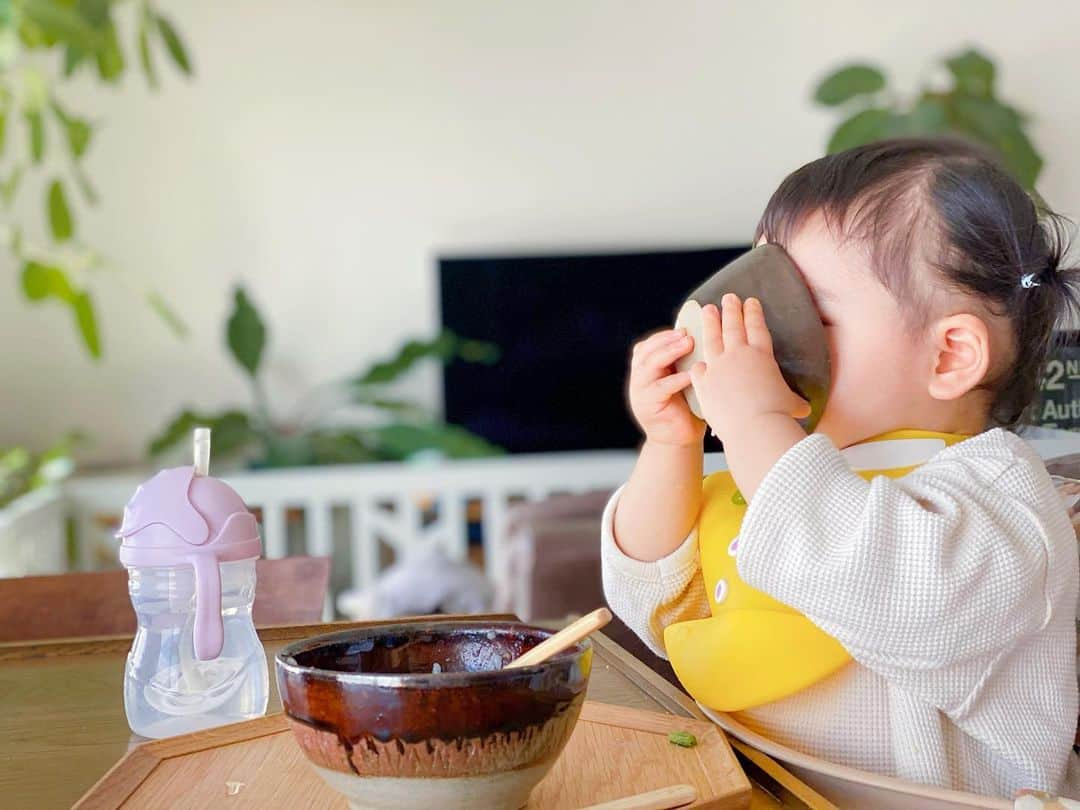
{"x":1028,"y":280}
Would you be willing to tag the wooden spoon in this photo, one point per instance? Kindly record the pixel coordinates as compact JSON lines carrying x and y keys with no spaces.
{"x":568,"y":636}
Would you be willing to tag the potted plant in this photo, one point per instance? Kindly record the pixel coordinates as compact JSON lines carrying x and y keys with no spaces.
{"x":964,"y":104}
{"x":386,"y":429}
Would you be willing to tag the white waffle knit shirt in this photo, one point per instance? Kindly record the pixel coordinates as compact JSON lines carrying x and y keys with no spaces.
{"x":953,"y":588}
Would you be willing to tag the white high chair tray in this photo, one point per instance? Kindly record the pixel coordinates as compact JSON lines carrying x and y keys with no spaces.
{"x":850,"y":787}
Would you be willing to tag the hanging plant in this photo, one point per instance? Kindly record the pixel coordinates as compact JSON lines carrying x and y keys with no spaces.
{"x":44,"y":140}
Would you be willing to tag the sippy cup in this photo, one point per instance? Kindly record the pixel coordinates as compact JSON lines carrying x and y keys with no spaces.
{"x":189,"y":545}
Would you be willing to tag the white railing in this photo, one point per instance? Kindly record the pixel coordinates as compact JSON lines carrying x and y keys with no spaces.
{"x":304,"y":510}
{"x":364,"y":508}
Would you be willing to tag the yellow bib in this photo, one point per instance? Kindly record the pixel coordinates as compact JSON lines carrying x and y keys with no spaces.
{"x":754,"y":649}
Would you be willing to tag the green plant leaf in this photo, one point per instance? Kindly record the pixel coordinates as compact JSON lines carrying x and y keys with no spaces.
{"x":73,"y":58}
{"x":83,"y":308}
{"x":95,"y":12}
{"x":145,"y":57}
{"x":30,"y":34}
{"x":862,"y":128}
{"x":9,"y":47}
{"x":985,"y":118}
{"x":78,"y":133}
{"x":1021,"y":157}
{"x":173,"y":44}
{"x":167,"y":314}
{"x":110,"y":56}
{"x":41,"y":281}
{"x":396,"y":406}
{"x":974,"y":73}
{"x":60,"y":219}
{"x":64,"y":446}
{"x":76,"y":130}
{"x":1019,"y":116}
{"x":16,"y":469}
{"x":444,"y":347}
{"x":999,"y":127}
{"x":245,"y":332}
{"x":85,"y":186}
{"x":15,"y":459}
{"x":57,"y":22}
{"x":56,"y":464}
{"x":35,"y":91}
{"x":847,"y":83}
{"x":403,"y":440}
{"x":339,"y":447}
{"x":231,"y":432}
{"x":36,"y":124}
{"x":408,"y":355}
{"x":929,"y":116}
{"x":10,"y":186}
{"x":479,"y":351}
{"x":287,"y":450}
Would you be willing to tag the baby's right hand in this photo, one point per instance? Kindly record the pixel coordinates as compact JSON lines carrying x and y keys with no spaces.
{"x":655,"y":388}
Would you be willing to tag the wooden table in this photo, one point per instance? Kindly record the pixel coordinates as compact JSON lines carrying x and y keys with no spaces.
{"x":62,"y":722}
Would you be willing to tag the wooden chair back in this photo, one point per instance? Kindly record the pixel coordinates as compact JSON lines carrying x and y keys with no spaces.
{"x":290,"y":590}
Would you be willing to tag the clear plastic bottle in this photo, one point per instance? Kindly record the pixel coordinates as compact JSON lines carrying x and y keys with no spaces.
{"x":167,"y":689}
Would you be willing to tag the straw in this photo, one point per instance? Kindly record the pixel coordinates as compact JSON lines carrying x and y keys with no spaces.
{"x":189,"y":666}
{"x":202,"y":450}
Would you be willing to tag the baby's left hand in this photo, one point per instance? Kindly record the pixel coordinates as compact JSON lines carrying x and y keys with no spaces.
{"x":740,"y":380}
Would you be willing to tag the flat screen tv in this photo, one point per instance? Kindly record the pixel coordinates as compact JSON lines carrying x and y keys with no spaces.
{"x":564,"y":326}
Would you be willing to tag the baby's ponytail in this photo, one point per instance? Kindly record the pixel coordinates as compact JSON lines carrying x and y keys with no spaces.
{"x":1062,"y":281}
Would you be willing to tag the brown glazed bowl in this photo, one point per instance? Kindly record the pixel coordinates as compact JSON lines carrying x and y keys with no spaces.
{"x":384,"y":729}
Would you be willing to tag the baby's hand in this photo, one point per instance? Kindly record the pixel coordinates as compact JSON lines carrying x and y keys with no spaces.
{"x":654,"y":390}
{"x":740,"y":380}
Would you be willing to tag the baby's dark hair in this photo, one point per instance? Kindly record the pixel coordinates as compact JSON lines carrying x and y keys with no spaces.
{"x":946,"y":205}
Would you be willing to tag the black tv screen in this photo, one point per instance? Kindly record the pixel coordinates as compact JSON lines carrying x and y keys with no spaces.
{"x":564,"y":326}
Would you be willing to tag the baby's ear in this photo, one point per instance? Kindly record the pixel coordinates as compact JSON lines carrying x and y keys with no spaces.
{"x":961,"y":355}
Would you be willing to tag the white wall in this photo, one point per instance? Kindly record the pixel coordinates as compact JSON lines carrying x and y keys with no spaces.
{"x":327,"y":151}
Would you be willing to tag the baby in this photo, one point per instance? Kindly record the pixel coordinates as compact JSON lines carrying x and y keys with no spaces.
{"x":953,"y":588}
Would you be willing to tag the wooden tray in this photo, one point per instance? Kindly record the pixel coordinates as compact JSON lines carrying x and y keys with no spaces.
{"x":614,"y":752}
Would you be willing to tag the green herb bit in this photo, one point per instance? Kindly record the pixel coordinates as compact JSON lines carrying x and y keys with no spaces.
{"x":682,"y":738}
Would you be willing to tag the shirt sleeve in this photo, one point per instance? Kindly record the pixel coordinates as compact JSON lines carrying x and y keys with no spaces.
{"x":927,"y":579}
{"x":648,"y":596}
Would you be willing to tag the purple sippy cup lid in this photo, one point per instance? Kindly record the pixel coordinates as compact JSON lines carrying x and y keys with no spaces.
{"x":179,"y":517}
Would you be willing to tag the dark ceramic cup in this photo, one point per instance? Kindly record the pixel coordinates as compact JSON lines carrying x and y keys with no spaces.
{"x":417,"y":715}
